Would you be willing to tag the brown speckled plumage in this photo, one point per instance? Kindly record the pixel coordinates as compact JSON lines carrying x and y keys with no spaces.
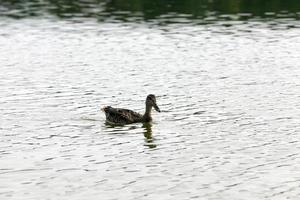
{"x":125,"y":116}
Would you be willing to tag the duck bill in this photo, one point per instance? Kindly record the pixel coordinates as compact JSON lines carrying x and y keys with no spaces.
{"x":156,"y":108}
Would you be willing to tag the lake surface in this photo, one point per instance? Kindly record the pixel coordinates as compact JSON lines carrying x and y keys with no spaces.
{"x":227,"y":79}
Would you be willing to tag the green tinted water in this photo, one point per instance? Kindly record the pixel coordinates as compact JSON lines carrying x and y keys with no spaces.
{"x":225,"y":73}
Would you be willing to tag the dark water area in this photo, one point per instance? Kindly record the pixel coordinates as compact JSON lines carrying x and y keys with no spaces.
{"x":226,"y":75}
{"x":199,"y":11}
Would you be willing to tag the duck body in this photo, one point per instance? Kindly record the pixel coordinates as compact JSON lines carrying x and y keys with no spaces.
{"x":125,"y":116}
{"x":121,"y":116}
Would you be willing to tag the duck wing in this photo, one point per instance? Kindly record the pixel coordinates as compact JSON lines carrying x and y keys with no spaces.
{"x":121,"y":116}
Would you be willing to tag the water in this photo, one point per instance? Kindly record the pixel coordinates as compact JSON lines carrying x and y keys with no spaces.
{"x":226,"y":77}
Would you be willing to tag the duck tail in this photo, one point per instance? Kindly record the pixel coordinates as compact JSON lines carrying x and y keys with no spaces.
{"x":105,"y":108}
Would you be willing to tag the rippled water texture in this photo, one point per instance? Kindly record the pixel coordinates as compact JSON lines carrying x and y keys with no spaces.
{"x":228,"y":91}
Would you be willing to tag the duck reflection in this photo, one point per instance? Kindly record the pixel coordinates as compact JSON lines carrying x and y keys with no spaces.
{"x":119,"y":129}
{"x":146,"y":129}
{"x":148,"y":135}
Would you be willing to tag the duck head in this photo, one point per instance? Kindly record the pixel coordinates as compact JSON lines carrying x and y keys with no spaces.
{"x":151,"y":102}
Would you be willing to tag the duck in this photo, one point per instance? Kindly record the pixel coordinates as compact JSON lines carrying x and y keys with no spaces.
{"x":125,"y":116}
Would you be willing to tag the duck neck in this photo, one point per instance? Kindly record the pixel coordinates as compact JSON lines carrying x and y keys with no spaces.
{"x":147,"y":115}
